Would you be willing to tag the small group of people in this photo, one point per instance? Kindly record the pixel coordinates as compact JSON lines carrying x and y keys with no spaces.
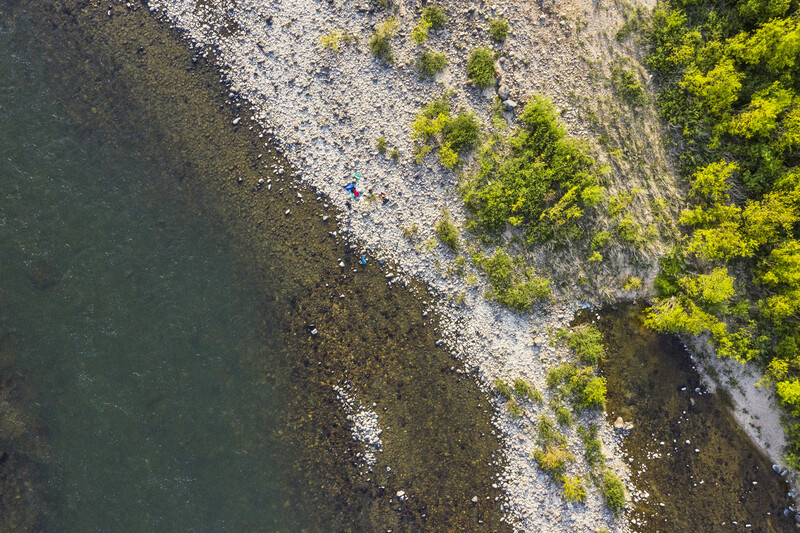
{"x":352,"y":188}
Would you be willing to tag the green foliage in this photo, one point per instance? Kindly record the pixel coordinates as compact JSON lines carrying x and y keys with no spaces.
{"x":434,"y":16}
{"x":502,"y":389}
{"x":573,"y":489}
{"x":553,"y":460}
{"x":380,"y":44}
{"x":434,"y":125}
{"x":563,"y":414}
{"x":447,"y":232}
{"x":586,"y":390}
{"x":381,"y":143}
{"x":461,"y":131}
{"x":627,"y":85}
{"x":592,"y":446}
{"x":552,"y":456}
{"x":729,"y":86}
{"x":628,"y":230}
{"x":632,"y":283}
{"x":480,"y":68}
{"x":430,"y":63}
{"x":420,"y":32}
{"x":540,"y":181}
{"x":395,"y":155}
{"x":717,"y":89}
{"x":514,"y":408}
{"x":498,"y":29}
{"x":586,"y":341}
{"x":513,"y":285}
{"x":613,"y":492}
{"x":600,"y":240}
{"x":334,"y":39}
{"x":523,"y":389}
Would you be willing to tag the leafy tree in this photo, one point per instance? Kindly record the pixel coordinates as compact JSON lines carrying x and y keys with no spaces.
{"x":718,"y":89}
{"x":710,"y":184}
{"x":775,"y":45}
{"x":712,"y":289}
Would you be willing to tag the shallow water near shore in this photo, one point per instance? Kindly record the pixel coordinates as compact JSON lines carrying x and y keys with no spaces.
{"x":700,"y":469}
{"x":160,"y":309}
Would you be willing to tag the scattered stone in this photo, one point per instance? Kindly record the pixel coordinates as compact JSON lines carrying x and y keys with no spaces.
{"x":509,"y":105}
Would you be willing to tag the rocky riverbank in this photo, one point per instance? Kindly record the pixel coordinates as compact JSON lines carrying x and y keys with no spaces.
{"x":328,"y":109}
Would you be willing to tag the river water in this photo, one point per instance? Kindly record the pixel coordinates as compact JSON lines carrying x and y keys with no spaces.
{"x":157,"y":307}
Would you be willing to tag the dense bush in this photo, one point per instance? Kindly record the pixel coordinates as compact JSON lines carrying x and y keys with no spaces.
{"x":447,"y":232}
{"x":380,"y":44}
{"x":538,"y":179}
{"x":586,"y":341}
{"x":434,"y":16}
{"x":573,"y":489}
{"x":729,"y":84}
{"x":552,"y":455}
{"x":580,"y":385}
{"x":523,"y":389}
{"x":431,"y":63}
{"x":613,"y":492}
{"x":480,"y":68}
{"x":434,"y":125}
{"x":498,"y":29}
{"x":513,"y":285}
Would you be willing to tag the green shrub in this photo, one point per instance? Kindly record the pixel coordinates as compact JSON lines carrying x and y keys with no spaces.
{"x":511,"y":288}
{"x":587,"y":343}
{"x":552,"y":455}
{"x":536,"y":179}
{"x":381,"y":144}
{"x":553,"y":460}
{"x":523,"y":389}
{"x":562,"y":373}
{"x":514,"y":408}
{"x":480,"y":68}
{"x":453,"y":134}
{"x":548,"y":433}
{"x":380,"y":44}
{"x":632,"y":283}
{"x":395,"y":155}
{"x":563,"y":414}
{"x":447,"y":232}
{"x":335,"y":38}
{"x":593,"y":393}
{"x":498,"y":29}
{"x":600,"y":240}
{"x":613,"y":492}
{"x":573,"y":489}
{"x":420,"y":32}
{"x":592,"y":446}
{"x":628,"y":86}
{"x":431,"y":63}
{"x":586,"y":390}
{"x":628,"y":230}
{"x":461,"y":131}
{"x":434,"y":16}
{"x":502,"y":389}
{"x":447,"y":156}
